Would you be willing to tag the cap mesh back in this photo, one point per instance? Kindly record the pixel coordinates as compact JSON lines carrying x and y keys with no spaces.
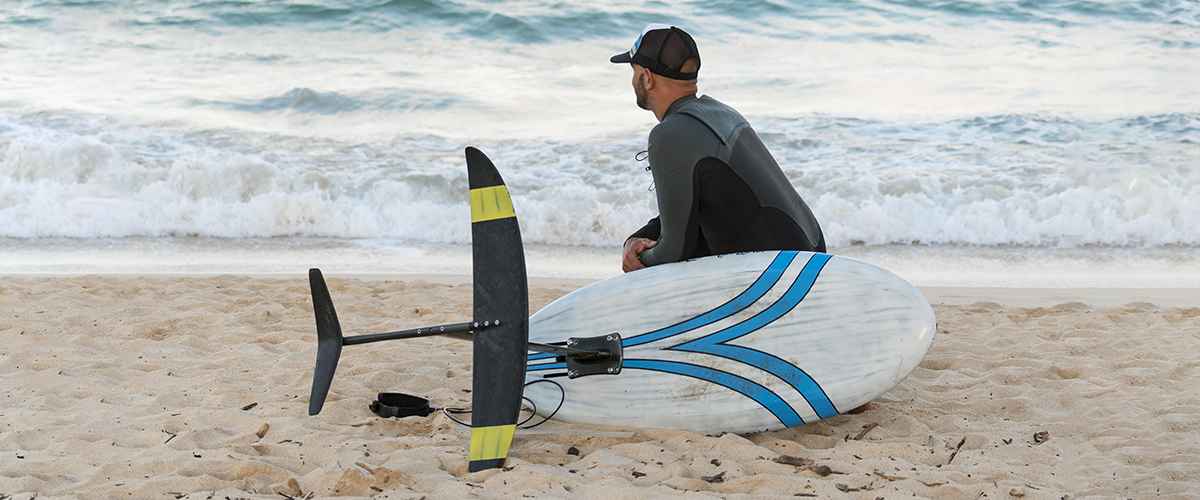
{"x":665,"y":52}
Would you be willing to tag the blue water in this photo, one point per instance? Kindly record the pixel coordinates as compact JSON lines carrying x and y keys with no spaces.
{"x":972,"y":124}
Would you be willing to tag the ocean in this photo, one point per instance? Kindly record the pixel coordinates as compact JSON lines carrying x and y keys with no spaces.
{"x":957,"y":142}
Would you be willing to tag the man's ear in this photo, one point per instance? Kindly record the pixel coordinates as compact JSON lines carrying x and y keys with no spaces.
{"x":648,"y":80}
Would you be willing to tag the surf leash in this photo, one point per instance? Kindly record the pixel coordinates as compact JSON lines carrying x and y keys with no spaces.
{"x":400,"y":405}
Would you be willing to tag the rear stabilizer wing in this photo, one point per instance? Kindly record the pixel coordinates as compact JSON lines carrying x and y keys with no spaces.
{"x":329,"y":341}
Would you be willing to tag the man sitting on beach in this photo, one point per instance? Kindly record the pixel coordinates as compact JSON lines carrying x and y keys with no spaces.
{"x":719,"y":189}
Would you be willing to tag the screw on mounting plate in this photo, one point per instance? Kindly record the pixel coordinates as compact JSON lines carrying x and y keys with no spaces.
{"x":476,"y":324}
{"x":572,"y":374}
{"x":609,"y":338}
{"x":485,"y":323}
{"x":612,"y":370}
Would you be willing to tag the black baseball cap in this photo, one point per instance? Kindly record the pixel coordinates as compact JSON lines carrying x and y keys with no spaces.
{"x":663,"y":49}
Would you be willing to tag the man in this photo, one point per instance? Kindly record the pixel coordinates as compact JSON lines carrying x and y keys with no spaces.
{"x":719,"y":190}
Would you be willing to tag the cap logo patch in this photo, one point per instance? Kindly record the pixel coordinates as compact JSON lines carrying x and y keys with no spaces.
{"x":650,"y":27}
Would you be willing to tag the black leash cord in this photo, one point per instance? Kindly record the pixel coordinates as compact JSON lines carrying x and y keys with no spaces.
{"x":457,"y":411}
{"x":447,"y":412}
{"x":555,"y":412}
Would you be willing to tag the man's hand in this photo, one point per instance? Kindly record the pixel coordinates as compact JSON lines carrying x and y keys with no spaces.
{"x":634,"y":246}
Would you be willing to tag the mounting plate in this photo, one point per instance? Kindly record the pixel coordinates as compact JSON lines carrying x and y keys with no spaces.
{"x":606,"y":360}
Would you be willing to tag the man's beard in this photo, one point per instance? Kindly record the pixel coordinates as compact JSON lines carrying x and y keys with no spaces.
{"x":639,"y":90}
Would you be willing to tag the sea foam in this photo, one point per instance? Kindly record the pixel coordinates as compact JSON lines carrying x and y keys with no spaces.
{"x":1003,"y":180}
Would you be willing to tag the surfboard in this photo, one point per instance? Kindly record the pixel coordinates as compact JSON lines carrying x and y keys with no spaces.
{"x":733,"y":343}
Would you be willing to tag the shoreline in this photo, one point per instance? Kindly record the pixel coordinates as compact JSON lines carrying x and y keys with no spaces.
{"x":938,"y":266}
{"x":993,"y":297}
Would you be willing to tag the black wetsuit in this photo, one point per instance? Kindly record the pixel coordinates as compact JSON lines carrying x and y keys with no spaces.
{"x":719,"y":189}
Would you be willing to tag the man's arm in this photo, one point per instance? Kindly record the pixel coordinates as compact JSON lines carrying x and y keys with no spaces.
{"x":633,"y":247}
{"x":650,"y":231}
{"x":676,"y":145}
{"x":638,"y":242}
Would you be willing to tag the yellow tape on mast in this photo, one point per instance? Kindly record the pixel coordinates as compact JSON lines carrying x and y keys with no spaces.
{"x":490,"y":443}
{"x":491,"y":203}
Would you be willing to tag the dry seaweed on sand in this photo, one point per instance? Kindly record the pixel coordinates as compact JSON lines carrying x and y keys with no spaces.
{"x":790,"y":460}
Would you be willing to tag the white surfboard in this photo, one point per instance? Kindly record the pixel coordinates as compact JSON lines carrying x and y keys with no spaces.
{"x":735,"y":343}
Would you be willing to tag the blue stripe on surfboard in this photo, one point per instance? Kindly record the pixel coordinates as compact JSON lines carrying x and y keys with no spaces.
{"x":761,"y":395}
{"x":546,"y":366}
{"x":714,"y":344}
{"x":749,"y":296}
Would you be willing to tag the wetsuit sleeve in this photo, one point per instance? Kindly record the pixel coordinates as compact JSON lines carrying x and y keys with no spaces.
{"x":676,"y":145}
{"x":650,"y":231}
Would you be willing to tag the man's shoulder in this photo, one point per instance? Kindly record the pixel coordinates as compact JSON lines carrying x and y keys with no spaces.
{"x":706,"y":103}
{"x":712,"y":111}
{"x":679,"y":126}
{"x":720,"y":120}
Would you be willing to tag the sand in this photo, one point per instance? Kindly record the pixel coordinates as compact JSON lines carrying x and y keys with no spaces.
{"x":197,"y":387}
